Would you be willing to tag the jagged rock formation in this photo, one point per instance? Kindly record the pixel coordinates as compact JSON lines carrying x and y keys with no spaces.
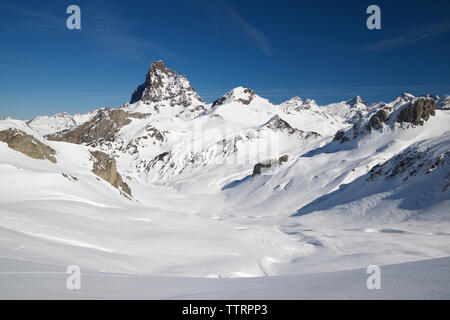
{"x":27,"y":144}
{"x":414,"y":161}
{"x":249,"y":94}
{"x":103,"y":126}
{"x":105,"y":167}
{"x":444,"y":103}
{"x":404,"y":109}
{"x":163,"y":84}
{"x":278,"y":124}
{"x":263,"y":166}
{"x":159,"y":158}
{"x":417,"y":112}
{"x":381,"y":116}
{"x":340,"y":136}
{"x":239,"y":94}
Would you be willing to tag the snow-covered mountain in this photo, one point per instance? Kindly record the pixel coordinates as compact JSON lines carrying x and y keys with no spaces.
{"x":170,"y":185}
{"x":165,"y":93}
{"x":62,"y":121}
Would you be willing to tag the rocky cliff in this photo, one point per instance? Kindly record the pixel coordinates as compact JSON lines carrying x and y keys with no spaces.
{"x":105,"y":167}
{"x":27,"y":144}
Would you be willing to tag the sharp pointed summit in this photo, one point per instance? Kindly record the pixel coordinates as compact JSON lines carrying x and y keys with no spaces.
{"x":357,"y":100}
{"x":163,"y":84}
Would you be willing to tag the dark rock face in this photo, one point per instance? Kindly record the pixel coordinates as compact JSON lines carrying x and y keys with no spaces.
{"x":251,"y":95}
{"x":260,"y":167}
{"x":444,"y":103}
{"x":103,"y":126}
{"x":163,"y":84}
{"x":155,"y":133}
{"x":27,"y":144}
{"x":282,"y":159}
{"x":161,"y":157}
{"x":278,"y":124}
{"x":378,"y":118}
{"x":105,"y":167}
{"x":340,"y":136}
{"x":219,"y":101}
{"x":242,"y":95}
{"x":418,"y":111}
{"x":412,"y":162}
{"x":138,"y":92}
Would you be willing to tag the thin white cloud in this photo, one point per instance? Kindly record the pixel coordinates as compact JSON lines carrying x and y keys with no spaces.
{"x":107,"y":28}
{"x":261,"y":40}
{"x":223,"y":8}
{"x":117,"y":32}
{"x":45,"y":18}
{"x":408,"y":39}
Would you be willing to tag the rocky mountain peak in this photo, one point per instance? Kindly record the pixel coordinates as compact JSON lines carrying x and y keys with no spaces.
{"x":309,"y":103}
{"x":297,"y":104}
{"x":295,"y":99}
{"x":239,"y":94}
{"x":357,"y":100}
{"x":165,"y":85}
{"x":292,"y":103}
{"x":276,"y":123}
{"x":444,"y":103}
{"x":406,"y":96}
{"x":403,"y":98}
{"x":418,"y":111}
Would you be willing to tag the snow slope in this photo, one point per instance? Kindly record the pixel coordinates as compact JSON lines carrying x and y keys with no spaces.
{"x":414,"y":280}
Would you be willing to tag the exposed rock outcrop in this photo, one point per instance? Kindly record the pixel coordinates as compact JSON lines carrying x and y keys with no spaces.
{"x":340,"y":136}
{"x":381,"y":116}
{"x":155,"y":133}
{"x":249,"y":96}
{"x":103,"y":126}
{"x":239,"y":94}
{"x":27,"y":144}
{"x":417,"y":112}
{"x":161,"y":157}
{"x":413,"y":161}
{"x":444,"y":103}
{"x":277,"y":124}
{"x":263,"y":166}
{"x":105,"y":167}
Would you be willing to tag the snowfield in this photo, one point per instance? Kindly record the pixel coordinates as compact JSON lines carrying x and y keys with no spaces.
{"x":413,"y":280}
{"x":296,"y":200}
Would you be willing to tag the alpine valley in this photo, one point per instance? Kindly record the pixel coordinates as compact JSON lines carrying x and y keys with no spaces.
{"x":168,"y":196}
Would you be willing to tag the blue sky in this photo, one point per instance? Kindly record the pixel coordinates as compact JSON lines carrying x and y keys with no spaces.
{"x":313,"y":49}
